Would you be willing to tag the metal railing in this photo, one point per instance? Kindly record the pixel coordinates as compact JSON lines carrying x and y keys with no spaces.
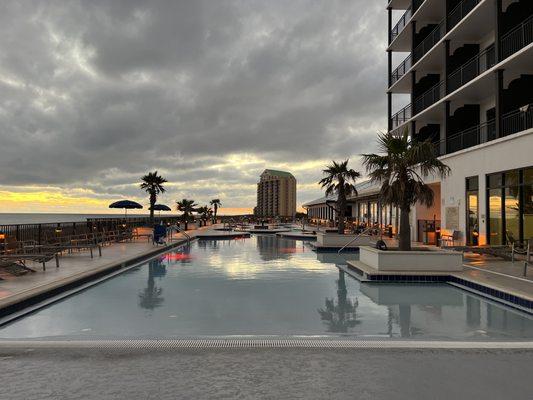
{"x":478,"y":64}
{"x":400,"y":25}
{"x":460,"y":11}
{"x":513,"y":122}
{"x":517,"y":38}
{"x":40,"y":233}
{"x":401,"y":69}
{"x":430,"y":97}
{"x":354,"y":239}
{"x":470,"y":137}
{"x":518,"y":120}
{"x":402,"y":116}
{"x":430,"y":41}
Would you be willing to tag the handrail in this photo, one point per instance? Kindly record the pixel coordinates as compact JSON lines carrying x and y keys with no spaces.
{"x":401,"y":24}
{"x":178,"y":229}
{"x":354,"y":239}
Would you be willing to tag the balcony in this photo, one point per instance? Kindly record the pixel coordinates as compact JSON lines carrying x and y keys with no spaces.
{"x":401,"y":116}
{"x":430,"y":97}
{"x":513,"y":122}
{"x":430,"y":41}
{"x":401,"y":69}
{"x":460,"y":11}
{"x":478,"y":64}
{"x":517,"y":38}
{"x":402,"y":22}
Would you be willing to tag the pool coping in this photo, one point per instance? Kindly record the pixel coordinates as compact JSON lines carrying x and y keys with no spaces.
{"x":260,"y":343}
{"x":36,"y":295}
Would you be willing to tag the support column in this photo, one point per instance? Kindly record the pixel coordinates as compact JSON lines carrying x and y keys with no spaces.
{"x":389,"y":33}
{"x":445,"y":131}
{"x":498,"y":30}
{"x":413,"y":94}
{"x":499,"y":102}
{"x":389,"y":94}
{"x":446,"y":66}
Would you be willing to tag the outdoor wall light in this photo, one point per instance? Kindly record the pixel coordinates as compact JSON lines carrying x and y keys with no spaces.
{"x":2,"y":236}
{"x":59,"y":230}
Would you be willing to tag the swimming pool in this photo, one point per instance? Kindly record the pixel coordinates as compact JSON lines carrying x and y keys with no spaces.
{"x":265,"y":286}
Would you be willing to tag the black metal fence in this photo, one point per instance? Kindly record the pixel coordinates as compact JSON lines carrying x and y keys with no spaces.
{"x":41,"y":233}
{"x":430,"y":97}
{"x":518,"y":120}
{"x":431,"y":40}
{"x":400,"y":25}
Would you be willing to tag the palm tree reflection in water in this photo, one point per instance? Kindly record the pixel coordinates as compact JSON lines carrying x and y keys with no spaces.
{"x":151,"y":297}
{"x":340,"y":317}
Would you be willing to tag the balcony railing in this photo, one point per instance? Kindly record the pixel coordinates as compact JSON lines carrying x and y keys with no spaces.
{"x":430,"y":41}
{"x":398,"y":28}
{"x":517,"y":39}
{"x":401,"y":69}
{"x":430,"y":97}
{"x":472,"y":68}
{"x":513,"y":122}
{"x":460,"y":11}
{"x":402,"y":116}
{"x":518,"y":120}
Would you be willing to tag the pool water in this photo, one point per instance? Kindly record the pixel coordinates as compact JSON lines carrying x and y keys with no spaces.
{"x":265,"y":285}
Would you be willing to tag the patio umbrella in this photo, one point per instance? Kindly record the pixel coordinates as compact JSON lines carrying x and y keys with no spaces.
{"x":160,"y":207}
{"x":126,"y":205}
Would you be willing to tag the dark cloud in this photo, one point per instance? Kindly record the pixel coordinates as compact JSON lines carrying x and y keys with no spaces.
{"x":93,"y":93}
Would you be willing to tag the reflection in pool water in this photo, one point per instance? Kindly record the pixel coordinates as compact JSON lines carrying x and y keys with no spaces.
{"x":265,"y":286}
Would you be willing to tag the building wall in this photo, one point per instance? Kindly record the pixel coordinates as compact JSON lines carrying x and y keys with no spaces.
{"x":276,"y":196}
{"x":500,"y":155}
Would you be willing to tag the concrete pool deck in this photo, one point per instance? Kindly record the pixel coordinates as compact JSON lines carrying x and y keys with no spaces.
{"x":400,"y":374}
{"x":78,"y":266}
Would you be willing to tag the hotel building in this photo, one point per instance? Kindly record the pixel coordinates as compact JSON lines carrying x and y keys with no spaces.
{"x":466,"y":67}
{"x":276,"y":194}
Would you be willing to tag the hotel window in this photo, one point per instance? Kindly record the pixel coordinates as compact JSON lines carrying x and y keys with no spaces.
{"x":472,"y":209}
{"x":510,"y":206}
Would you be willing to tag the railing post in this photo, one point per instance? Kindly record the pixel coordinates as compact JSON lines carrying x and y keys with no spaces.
{"x":498,"y":31}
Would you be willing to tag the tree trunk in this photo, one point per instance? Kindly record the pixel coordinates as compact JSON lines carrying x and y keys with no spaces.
{"x":405,"y":230}
{"x":153,"y":199}
{"x":342,"y":214}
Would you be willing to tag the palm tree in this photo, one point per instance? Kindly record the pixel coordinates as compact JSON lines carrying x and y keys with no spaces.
{"x":187,"y":207}
{"x":153,"y":184}
{"x":151,"y":297}
{"x":204,"y":213}
{"x":400,"y":169}
{"x":339,"y":180}
{"x":216,"y":205}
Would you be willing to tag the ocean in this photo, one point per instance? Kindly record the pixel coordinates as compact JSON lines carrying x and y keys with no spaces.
{"x":30,"y":218}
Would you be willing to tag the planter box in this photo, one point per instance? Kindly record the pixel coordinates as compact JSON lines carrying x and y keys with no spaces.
{"x":336,"y":240}
{"x":415,"y":260}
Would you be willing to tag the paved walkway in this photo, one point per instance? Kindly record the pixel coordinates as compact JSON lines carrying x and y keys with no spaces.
{"x":73,"y":267}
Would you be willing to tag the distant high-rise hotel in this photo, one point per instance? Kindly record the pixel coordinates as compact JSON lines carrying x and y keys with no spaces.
{"x":276,"y":194}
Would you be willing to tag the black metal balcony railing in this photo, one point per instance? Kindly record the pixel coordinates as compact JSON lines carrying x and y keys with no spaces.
{"x":517,"y":38}
{"x":460,"y":11}
{"x":471,"y":69}
{"x":430,"y":41}
{"x":468,"y":138}
{"x":518,"y":120}
{"x":430,"y":97}
{"x":401,"y":69}
{"x":513,"y":122}
{"x":402,"y":22}
{"x":401,"y":116}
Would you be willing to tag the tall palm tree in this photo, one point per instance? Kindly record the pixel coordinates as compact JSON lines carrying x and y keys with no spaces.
{"x":340,"y":180}
{"x":187,"y":207}
{"x":400,"y":168}
{"x":151,"y":297}
{"x":153,"y":185}
{"x":216,"y":205}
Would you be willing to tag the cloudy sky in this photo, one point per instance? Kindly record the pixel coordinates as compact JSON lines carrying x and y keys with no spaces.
{"x":95,"y":93}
